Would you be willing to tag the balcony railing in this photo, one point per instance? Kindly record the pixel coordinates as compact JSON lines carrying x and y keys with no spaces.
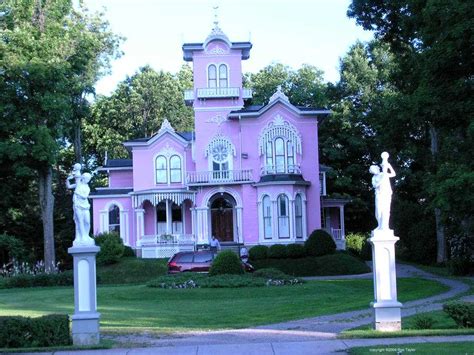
{"x":280,"y":169}
{"x":165,"y":246}
{"x":218,"y":177}
{"x":217,"y":93}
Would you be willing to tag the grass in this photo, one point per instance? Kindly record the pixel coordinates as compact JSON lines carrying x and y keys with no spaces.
{"x":136,"y":307}
{"x":444,"y":325}
{"x":420,"y":348}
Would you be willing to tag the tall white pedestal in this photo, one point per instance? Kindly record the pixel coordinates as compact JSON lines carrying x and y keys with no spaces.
{"x":85,"y":320}
{"x":387,"y":310}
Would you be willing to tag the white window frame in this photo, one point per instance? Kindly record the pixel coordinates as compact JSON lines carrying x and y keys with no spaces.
{"x":217,"y":66}
{"x":299,"y":218}
{"x":286,"y":217}
{"x":167,"y":154}
{"x":267,"y":214}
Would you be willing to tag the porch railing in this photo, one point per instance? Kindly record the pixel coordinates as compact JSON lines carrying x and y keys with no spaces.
{"x":166,"y":245}
{"x":280,"y":169}
{"x":336,"y":234}
{"x":220,"y":176}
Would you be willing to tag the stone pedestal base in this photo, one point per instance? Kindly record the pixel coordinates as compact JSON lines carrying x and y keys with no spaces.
{"x":387,"y":310}
{"x":85,"y":320}
{"x":387,"y":317}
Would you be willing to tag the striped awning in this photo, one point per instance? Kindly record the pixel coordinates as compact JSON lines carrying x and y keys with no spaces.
{"x":155,"y":198}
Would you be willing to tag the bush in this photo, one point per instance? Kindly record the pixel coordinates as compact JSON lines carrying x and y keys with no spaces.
{"x":460,"y":266}
{"x":319,"y":243}
{"x":327,"y":265}
{"x":39,"y":280}
{"x":24,"y":332}
{"x":111,"y":248}
{"x":226,"y":262}
{"x":231,"y":281}
{"x":423,"y":321}
{"x":295,"y":251}
{"x":128,"y":252}
{"x":366,"y":252}
{"x":355,"y":242}
{"x":10,"y":248}
{"x":461,"y":312}
{"x":277,"y":251}
{"x":258,"y":252}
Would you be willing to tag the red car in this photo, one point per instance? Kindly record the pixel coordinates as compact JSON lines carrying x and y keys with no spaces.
{"x":196,"y":261}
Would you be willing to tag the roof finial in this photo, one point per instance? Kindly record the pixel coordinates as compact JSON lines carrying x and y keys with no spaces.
{"x":216,"y":20}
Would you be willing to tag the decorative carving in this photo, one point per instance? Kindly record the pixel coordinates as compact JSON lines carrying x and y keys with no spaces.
{"x":166,"y":126}
{"x":280,"y":128}
{"x":279,"y":94}
{"x":219,"y":119}
{"x":168,"y":151}
{"x":217,"y":51}
{"x":217,"y":143}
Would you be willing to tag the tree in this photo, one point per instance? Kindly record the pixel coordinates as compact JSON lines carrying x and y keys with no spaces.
{"x":39,"y":55}
{"x":136,"y":109}
{"x":433,"y":44}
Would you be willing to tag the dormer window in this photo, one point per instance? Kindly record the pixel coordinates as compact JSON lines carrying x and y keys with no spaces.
{"x":168,"y":169}
{"x":217,"y":76}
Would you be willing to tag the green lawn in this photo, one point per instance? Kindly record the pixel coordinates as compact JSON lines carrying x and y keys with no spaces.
{"x":131,"y":270}
{"x":137,"y":306}
{"x":424,"y":348}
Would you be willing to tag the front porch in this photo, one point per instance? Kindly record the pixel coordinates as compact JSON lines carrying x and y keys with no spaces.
{"x":166,"y":245}
{"x":332,"y":220}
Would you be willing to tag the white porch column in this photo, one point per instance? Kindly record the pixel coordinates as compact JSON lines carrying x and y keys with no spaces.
{"x":140,"y":224}
{"x":169,"y":228}
{"x":343,"y":228}
{"x":238,"y":211}
{"x":193,"y":222}
{"x":305,"y":220}
{"x":291,"y":216}
{"x":261,"y":222}
{"x":104,"y":221}
{"x":202,"y":225}
{"x":124,"y":227}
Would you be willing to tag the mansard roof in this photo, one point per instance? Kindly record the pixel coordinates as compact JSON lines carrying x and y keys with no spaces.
{"x":189,"y":48}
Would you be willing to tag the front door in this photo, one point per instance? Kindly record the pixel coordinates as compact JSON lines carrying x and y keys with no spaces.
{"x":222,"y":218}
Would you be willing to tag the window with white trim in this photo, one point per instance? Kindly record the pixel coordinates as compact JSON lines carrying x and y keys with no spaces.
{"x":217,"y":76}
{"x":168,"y":170}
{"x":212,"y":76}
{"x":267,"y":217}
{"x":175,"y":169}
{"x":298,"y":217}
{"x":114,"y":219}
{"x":283,"y":217}
{"x":161,"y":169}
{"x":220,"y":152}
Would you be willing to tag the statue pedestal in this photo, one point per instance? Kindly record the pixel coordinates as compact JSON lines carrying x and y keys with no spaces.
{"x":387,"y":310}
{"x":85,"y":320}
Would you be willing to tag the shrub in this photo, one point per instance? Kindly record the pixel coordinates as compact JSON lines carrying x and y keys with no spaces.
{"x":10,"y":248}
{"x":423,"y":321}
{"x":327,"y":265}
{"x":231,"y":281}
{"x":319,"y":243}
{"x":258,"y":252}
{"x":277,"y":251}
{"x":295,"y":251}
{"x":24,"y":332}
{"x":128,"y":252}
{"x":111,"y":248}
{"x":355,"y":242}
{"x":459,"y":266}
{"x":39,"y":280}
{"x":461,"y":312}
{"x":226,"y":262}
{"x":366,"y":252}
{"x":270,"y":273}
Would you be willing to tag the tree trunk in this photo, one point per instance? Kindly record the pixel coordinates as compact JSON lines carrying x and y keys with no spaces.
{"x":45,"y":179}
{"x":77,"y":142}
{"x":440,"y":237}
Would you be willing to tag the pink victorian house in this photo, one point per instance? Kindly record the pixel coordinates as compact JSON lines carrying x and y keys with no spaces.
{"x":248,"y":175}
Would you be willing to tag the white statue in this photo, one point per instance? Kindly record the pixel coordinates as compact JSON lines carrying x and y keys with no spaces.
{"x":81,"y":206}
{"x":383,"y":191}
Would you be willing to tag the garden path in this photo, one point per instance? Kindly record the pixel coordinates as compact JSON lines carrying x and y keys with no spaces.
{"x":310,"y":329}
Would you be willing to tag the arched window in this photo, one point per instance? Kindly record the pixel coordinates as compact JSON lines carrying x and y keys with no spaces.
{"x":267,"y":217}
{"x":212,"y":76}
{"x":283,"y":217}
{"x":280,"y":155}
{"x":175,"y":169}
{"x":223,"y":79}
{"x":114,"y":219}
{"x":290,"y":157}
{"x":161,"y":170}
{"x":298,"y":217}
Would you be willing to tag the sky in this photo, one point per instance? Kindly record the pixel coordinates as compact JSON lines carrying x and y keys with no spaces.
{"x":291,"y":32}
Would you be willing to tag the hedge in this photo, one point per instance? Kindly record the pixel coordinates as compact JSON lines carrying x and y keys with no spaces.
{"x":319,"y":243}
{"x":226,"y":262}
{"x":25,"y":332}
{"x":39,"y":280}
{"x":461,"y":312}
{"x":258,"y":252}
{"x":327,"y":265}
{"x":277,"y":251}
